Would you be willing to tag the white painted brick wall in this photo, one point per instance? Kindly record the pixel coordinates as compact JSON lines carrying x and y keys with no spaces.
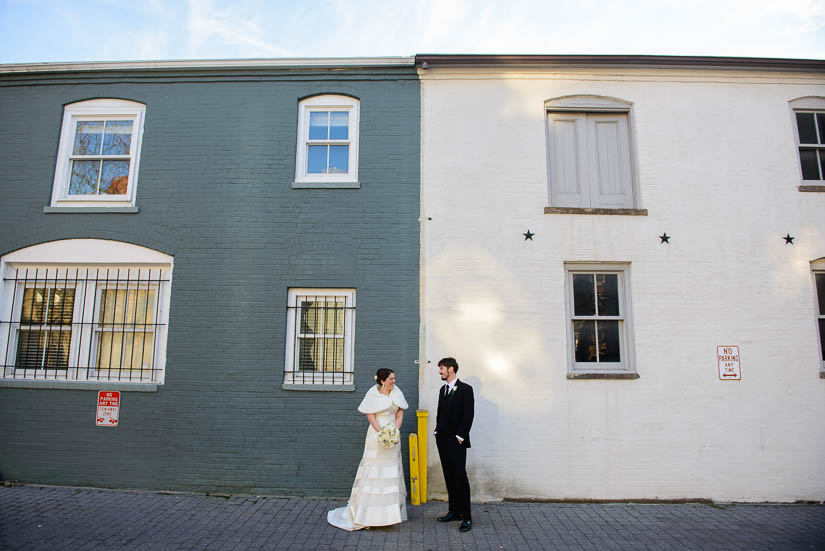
{"x":718,"y":171}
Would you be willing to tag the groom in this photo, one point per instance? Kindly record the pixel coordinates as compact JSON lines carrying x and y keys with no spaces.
{"x":452,"y":436}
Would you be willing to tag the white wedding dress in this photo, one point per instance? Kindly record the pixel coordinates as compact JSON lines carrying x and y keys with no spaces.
{"x":379,"y":495}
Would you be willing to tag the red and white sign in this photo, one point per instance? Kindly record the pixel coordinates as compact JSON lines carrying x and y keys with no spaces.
{"x":727,"y":358}
{"x":108,"y":408}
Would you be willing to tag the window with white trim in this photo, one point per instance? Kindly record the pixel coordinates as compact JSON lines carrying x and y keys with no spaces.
{"x":320,"y":339}
{"x":79,"y":319}
{"x":327,"y":139}
{"x":599,"y":329}
{"x":809,"y":131}
{"x":819,"y":281}
{"x":99,"y":153}
{"x":590,"y":155}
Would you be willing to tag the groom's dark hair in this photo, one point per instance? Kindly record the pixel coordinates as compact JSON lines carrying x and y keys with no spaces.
{"x":449,"y":362}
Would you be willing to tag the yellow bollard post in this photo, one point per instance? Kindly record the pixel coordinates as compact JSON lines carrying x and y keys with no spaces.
{"x":422,"y":415}
{"x":414,"y":499}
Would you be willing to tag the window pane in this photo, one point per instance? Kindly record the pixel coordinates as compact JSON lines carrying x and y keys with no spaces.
{"x":310,"y":320}
{"x":338,"y":159}
{"x":124,"y":350}
{"x":609,"y":341}
{"x":308,"y":354}
{"x":30,"y":345}
{"x":84,"y":177}
{"x":34,"y":306}
{"x":57,"y":349}
{"x":115,"y":180}
{"x":822,"y":337}
{"x":333,"y":357}
{"x":607,"y":291}
{"x":117,"y":139}
{"x":339,"y":125}
{"x":822,"y":162}
{"x":808,"y":160}
{"x":317,"y":159}
{"x":807,"y":130}
{"x":61,"y":306}
{"x":88,"y":138}
{"x":135,"y":306}
{"x":584,"y":303}
{"x":584,"y":336}
{"x":324,"y":316}
{"x":820,"y":123}
{"x":820,"y":292}
{"x":318,"y":125}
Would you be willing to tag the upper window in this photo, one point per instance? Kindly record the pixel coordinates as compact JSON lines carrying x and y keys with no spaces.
{"x":809,"y":126}
{"x":327,"y":140}
{"x":320,"y":337}
{"x":590,"y":153}
{"x":819,"y":279}
{"x":84,"y":310}
{"x":599,"y":327}
{"x":97,"y":161}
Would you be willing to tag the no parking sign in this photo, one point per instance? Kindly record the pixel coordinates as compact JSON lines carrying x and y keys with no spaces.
{"x":108,"y":408}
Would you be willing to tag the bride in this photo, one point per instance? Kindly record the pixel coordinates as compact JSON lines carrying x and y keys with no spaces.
{"x":378,"y":495}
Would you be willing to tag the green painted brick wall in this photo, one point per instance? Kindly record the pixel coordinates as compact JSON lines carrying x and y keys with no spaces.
{"x":214,"y":191}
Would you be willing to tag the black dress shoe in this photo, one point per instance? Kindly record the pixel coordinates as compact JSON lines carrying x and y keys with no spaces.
{"x":449,"y":517}
{"x":466,"y":525}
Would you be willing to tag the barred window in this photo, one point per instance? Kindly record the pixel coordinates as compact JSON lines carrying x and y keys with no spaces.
{"x":84,"y":322}
{"x":320,"y":336}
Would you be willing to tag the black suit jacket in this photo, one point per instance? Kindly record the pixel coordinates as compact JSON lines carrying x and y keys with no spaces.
{"x":455,"y":412}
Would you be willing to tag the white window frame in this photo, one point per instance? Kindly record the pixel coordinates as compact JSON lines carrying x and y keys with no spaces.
{"x":808,"y":104}
{"x":586,"y":111}
{"x":65,"y":264}
{"x":818,"y":267}
{"x":626,"y":340}
{"x":92,"y":110}
{"x":345,"y":378}
{"x":327,"y":102}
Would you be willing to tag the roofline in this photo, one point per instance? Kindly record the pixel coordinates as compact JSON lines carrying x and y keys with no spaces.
{"x":473,"y":60}
{"x":255,"y":63}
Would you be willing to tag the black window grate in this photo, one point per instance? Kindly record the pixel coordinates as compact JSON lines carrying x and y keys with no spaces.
{"x":66,"y":323}
{"x":321,"y":340}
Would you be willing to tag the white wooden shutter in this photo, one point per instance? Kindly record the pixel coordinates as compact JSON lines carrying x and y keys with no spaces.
{"x":609,"y":161}
{"x":568,"y":159}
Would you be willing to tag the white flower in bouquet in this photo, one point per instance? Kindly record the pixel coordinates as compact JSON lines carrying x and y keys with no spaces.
{"x":389,"y":435}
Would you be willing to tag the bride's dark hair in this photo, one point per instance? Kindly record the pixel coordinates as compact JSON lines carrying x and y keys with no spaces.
{"x":382,"y":374}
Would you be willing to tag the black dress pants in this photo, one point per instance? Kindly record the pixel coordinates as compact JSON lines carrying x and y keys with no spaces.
{"x":454,"y":464}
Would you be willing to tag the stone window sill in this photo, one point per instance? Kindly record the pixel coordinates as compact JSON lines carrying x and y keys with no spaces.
{"x":322,"y":388}
{"x":576,"y":210}
{"x":88,"y":210}
{"x":603,"y":375}
{"x":326,"y":185}
{"x":813,"y":188}
{"x":79,"y":385}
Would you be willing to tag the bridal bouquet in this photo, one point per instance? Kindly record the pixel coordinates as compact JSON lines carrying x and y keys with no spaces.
{"x":389,"y":435}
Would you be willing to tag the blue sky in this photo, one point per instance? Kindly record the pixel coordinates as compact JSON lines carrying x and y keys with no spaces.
{"x":116,"y":30}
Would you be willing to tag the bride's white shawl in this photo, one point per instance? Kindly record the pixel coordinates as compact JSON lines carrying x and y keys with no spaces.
{"x":374,"y":401}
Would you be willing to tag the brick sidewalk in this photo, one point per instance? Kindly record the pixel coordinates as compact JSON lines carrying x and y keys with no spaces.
{"x":53,"y":518}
